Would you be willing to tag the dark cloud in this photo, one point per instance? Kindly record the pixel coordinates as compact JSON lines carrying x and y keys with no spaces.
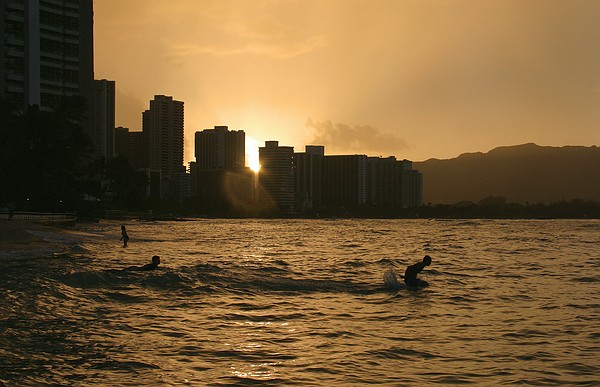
{"x":357,"y":139}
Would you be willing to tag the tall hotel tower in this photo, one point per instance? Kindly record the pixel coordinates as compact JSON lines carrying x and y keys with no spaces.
{"x":276,"y":176}
{"x":220,"y":175}
{"x":220,"y":148}
{"x":162,"y":125}
{"x":104,"y":107}
{"x":47,"y":52}
{"x":308,"y":177}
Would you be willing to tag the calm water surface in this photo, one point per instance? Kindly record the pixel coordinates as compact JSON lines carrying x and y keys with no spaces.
{"x":302,"y":302}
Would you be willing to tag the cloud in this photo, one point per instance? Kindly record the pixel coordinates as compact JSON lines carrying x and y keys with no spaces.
{"x":228,"y":31}
{"x":355,"y":139}
{"x":278,"y":48}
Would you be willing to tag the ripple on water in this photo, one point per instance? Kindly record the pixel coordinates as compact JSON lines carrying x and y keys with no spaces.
{"x":281,"y":302}
{"x":399,"y":353}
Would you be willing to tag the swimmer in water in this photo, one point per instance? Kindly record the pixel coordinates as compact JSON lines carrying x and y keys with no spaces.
{"x":149,"y":266}
{"x":410,"y":275}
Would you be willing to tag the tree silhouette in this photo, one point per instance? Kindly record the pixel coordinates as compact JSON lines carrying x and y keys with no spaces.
{"x":43,"y":156}
{"x":128,"y":186}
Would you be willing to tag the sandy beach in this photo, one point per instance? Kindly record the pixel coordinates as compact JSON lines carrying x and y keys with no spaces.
{"x":26,"y":239}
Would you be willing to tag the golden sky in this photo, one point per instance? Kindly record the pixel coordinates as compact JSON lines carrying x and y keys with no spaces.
{"x":414,"y":79}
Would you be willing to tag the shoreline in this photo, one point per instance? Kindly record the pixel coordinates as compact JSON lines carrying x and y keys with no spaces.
{"x":20,"y":239}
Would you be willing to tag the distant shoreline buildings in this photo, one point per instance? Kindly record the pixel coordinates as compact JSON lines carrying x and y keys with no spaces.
{"x":48,"y":55}
{"x":291,"y":181}
{"x":287,"y":182}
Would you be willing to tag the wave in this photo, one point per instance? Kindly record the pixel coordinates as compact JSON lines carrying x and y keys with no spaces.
{"x":355,"y":263}
{"x":404,"y":354}
{"x":211,"y":278}
{"x":111,"y":279}
{"x":248,"y":281}
{"x":78,"y":249}
{"x":593,"y":225}
{"x":116,"y":365}
{"x":592,"y":279}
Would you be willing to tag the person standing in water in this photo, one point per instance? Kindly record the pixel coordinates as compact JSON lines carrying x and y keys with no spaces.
{"x":410,"y":275}
{"x":124,"y":236}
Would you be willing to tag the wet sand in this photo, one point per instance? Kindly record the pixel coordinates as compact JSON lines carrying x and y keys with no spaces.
{"x":26,"y":239}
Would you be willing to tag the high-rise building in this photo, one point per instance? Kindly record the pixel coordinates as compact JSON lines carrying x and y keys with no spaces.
{"x":122,"y":141}
{"x":131,"y":145}
{"x":308,"y":167}
{"x":163,"y":128}
{"x":219,"y":175}
{"x":162,"y":125}
{"x":412,"y":185}
{"x":276,"y":177}
{"x":136,"y":150}
{"x":47,"y":52}
{"x":220,"y":148}
{"x":344,"y":181}
{"x":104,"y":123}
{"x":384,"y":182}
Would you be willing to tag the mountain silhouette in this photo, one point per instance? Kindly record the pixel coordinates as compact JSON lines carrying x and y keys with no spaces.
{"x":521,"y":173}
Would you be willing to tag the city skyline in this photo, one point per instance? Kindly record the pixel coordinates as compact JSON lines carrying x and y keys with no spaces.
{"x":411,"y":79}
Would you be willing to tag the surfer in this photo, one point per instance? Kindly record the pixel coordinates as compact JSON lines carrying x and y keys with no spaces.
{"x":149,"y":266}
{"x":124,"y":236}
{"x":410,"y":275}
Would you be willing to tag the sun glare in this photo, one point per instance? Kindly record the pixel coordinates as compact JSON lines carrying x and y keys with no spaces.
{"x":252,"y":154}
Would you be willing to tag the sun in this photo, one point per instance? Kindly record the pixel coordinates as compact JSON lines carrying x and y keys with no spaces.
{"x":252,"y":154}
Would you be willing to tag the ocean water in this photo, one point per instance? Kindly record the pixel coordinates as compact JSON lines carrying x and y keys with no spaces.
{"x":302,"y":302}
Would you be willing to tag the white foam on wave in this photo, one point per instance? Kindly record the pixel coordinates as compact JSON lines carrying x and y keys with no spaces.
{"x":390,"y":279}
{"x":63,"y":237}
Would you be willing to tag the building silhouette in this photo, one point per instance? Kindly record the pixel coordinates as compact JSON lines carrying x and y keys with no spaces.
{"x":104,"y":122}
{"x":276,"y":176}
{"x":344,"y":181}
{"x":131,"y":145}
{"x":162,"y":125}
{"x":137,"y":152}
{"x":219,"y":175}
{"x":412,"y":185}
{"x":384,"y":182}
{"x":393,"y":183}
{"x":308,"y":175}
{"x":220,"y":148}
{"x":122,"y":141}
{"x":47,"y":53}
{"x":335,"y":183}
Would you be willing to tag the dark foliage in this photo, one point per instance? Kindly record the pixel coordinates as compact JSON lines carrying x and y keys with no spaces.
{"x":497,"y":208}
{"x":126,"y":185}
{"x":46,"y":164}
{"x":42,"y":154}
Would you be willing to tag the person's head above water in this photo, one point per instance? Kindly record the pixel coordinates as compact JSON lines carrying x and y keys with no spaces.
{"x":156,"y":260}
{"x":427,"y":260}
